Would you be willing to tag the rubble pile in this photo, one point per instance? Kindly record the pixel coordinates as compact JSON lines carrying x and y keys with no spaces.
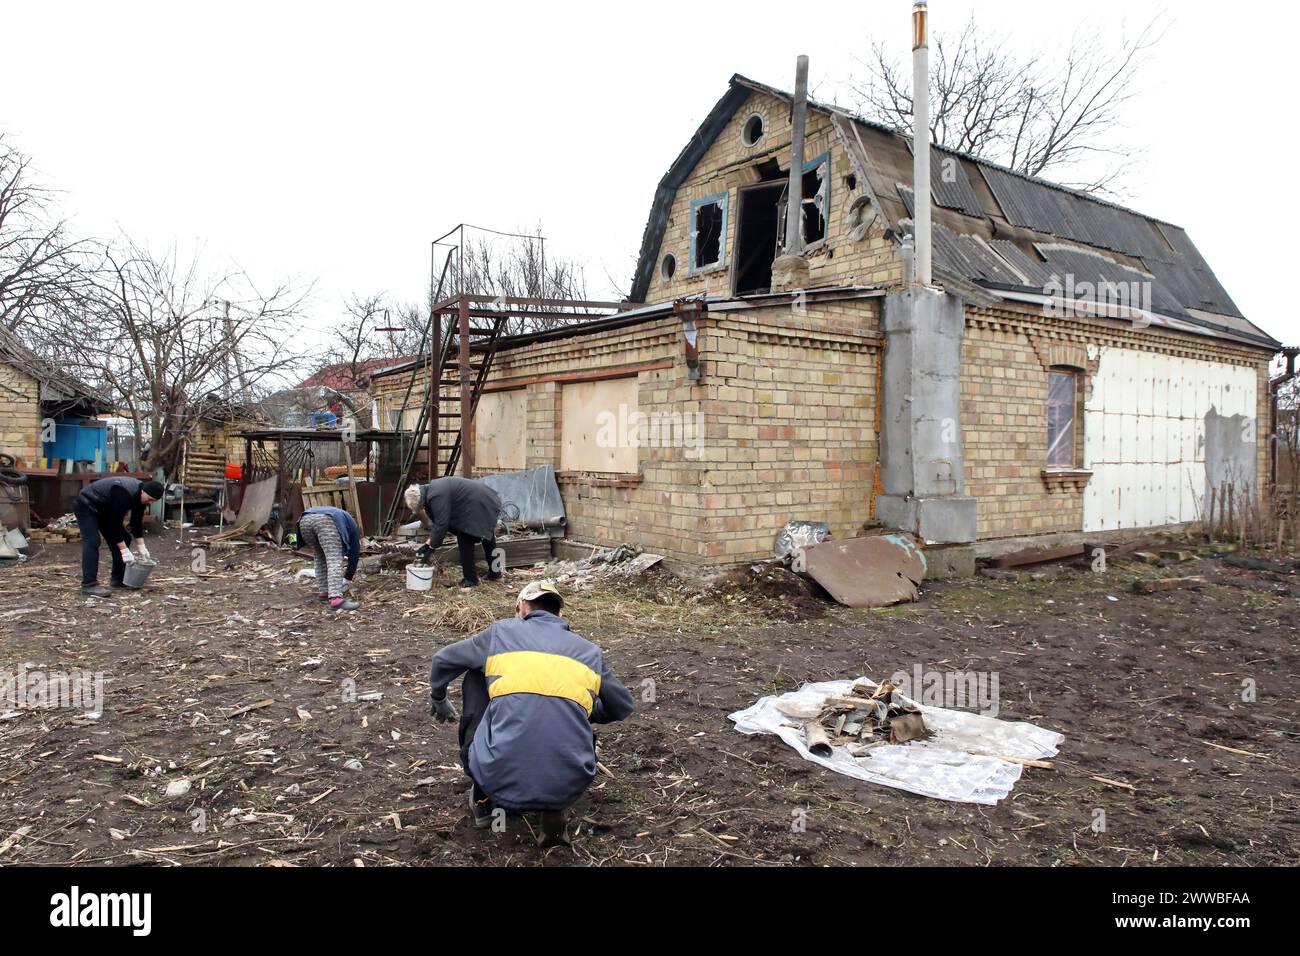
{"x":866,"y":718}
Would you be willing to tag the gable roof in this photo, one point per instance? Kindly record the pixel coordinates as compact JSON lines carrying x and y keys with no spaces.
{"x":340,"y":376}
{"x":994,"y":228}
{"x":57,"y":387}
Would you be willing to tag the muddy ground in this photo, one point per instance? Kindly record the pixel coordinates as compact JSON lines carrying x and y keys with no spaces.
{"x":1147,"y":689}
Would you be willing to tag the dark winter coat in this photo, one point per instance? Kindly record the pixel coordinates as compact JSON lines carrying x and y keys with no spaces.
{"x":111,"y":499}
{"x":461,"y":505}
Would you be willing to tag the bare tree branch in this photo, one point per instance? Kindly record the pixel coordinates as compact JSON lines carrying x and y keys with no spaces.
{"x":1040,"y":116}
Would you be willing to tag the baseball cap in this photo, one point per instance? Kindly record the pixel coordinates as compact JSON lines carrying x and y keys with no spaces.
{"x":535,"y":589}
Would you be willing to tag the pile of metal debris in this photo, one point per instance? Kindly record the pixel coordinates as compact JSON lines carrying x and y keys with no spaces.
{"x":866,"y":718}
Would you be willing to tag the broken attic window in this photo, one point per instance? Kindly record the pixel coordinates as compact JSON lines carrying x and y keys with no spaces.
{"x":816,"y":192}
{"x":1061,"y":397}
{"x":708,"y":231}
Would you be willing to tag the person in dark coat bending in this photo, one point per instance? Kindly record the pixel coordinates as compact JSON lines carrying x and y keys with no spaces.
{"x":469,"y":510}
{"x":100,"y":510}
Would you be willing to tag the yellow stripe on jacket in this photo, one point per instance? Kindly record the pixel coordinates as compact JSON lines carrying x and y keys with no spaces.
{"x":537,"y":672}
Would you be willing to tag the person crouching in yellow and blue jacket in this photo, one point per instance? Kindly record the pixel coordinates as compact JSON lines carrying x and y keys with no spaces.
{"x":531,"y":691}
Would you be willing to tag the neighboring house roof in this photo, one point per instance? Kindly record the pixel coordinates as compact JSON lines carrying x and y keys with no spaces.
{"x":57,"y":387}
{"x":346,"y":377}
{"x":995,"y":230}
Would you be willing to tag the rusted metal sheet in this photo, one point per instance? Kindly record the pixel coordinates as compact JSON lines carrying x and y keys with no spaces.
{"x":867,"y":572}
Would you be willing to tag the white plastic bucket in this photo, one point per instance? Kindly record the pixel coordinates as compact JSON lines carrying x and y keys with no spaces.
{"x":137,"y":572}
{"x":418,"y":578}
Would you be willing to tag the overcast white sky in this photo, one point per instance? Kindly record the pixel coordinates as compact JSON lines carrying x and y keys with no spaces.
{"x":331,"y":142}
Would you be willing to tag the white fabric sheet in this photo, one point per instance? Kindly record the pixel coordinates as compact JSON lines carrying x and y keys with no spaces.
{"x":942,"y":767}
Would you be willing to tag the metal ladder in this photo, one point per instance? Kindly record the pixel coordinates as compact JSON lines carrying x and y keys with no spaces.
{"x":482,"y":342}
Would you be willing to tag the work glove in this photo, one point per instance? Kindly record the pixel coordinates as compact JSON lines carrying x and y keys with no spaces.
{"x":443,"y":710}
{"x":143,"y":551}
{"x":425,"y":553}
{"x":127,"y":556}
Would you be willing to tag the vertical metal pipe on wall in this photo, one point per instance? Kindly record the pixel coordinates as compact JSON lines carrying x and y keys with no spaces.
{"x":921,"y":139}
{"x":794,"y":197}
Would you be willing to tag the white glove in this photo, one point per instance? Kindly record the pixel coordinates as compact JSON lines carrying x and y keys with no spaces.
{"x":127,"y":556}
{"x":143,"y":551}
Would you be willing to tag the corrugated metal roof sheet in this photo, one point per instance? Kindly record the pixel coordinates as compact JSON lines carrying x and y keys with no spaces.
{"x":950,"y":186}
{"x":1188,"y":275}
{"x":1071,"y":267}
{"x":1067,"y":215}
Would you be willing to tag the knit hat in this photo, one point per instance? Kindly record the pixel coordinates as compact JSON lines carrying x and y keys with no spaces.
{"x":154,"y":489}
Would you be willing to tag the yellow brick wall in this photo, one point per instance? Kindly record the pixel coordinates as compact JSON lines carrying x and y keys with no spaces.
{"x":786,"y":416}
{"x":1005,"y":356}
{"x":20,"y":415}
{"x":729,"y":164}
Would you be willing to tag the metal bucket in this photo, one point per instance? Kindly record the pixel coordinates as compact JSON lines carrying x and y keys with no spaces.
{"x":418,"y":578}
{"x":137,"y":572}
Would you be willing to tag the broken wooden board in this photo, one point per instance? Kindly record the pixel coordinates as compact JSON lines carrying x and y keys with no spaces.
{"x":1017,"y":559}
{"x":873,"y":571}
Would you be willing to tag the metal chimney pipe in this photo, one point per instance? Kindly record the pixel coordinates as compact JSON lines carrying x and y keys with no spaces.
{"x":794,"y":197}
{"x":921,"y":139}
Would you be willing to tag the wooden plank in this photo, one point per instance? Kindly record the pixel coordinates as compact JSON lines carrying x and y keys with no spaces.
{"x":1169,"y":584}
{"x":1028,"y":556}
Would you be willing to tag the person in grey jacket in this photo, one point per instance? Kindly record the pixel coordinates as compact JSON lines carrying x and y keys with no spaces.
{"x":467,"y":508}
{"x":531,"y":691}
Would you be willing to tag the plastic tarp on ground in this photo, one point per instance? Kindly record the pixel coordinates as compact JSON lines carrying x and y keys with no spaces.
{"x":942,"y":767}
{"x":530,"y":498}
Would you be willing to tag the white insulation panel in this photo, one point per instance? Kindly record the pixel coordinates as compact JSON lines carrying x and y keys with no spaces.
{"x":1144,"y":435}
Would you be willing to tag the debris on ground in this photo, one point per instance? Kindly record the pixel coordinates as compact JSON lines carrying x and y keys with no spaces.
{"x":867,"y":716}
{"x":950,"y":755}
{"x":772,"y":588}
{"x":797,"y":535}
{"x":872,"y":571}
{"x":621,"y":564}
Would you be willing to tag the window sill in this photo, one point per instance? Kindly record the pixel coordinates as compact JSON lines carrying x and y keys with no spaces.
{"x":1066,"y":479}
{"x":598,"y":479}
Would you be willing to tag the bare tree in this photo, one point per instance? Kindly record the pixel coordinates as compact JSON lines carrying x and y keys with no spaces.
{"x":518,"y":269}
{"x":1038,"y":115}
{"x":39,"y":263}
{"x":172,"y":340}
{"x":356,"y":339}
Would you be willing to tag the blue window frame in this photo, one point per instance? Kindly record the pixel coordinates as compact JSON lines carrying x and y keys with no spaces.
{"x":709,"y":233}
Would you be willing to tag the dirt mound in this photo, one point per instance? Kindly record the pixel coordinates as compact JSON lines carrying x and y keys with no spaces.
{"x":778,"y":591}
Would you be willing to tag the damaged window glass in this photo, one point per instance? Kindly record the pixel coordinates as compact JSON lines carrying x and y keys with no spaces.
{"x":1061,"y":392}
{"x":815,"y":187}
{"x":709,"y":222}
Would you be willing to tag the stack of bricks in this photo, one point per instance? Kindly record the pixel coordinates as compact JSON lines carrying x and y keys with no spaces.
{"x":20,"y":414}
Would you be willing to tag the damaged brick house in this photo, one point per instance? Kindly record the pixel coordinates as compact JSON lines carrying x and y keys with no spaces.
{"x":1014,"y":397}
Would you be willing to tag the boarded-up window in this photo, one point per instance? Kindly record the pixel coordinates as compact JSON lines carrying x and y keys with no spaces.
{"x":394,"y":418}
{"x":599,"y":426}
{"x":500,"y":430}
{"x":1061,"y":398}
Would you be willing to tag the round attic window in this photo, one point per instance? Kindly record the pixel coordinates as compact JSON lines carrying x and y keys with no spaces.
{"x":668,"y":267}
{"x":752,"y":131}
